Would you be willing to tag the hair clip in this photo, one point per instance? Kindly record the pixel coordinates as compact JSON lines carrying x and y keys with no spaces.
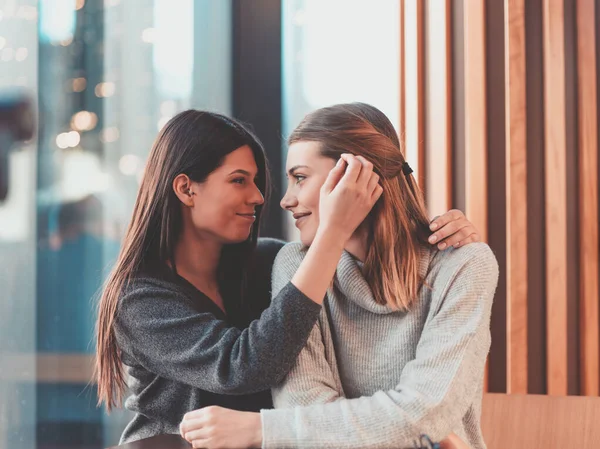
{"x":406,"y":169}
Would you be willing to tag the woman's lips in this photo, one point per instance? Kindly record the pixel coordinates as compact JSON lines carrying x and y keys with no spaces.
{"x":300,"y":218}
{"x":249,"y":217}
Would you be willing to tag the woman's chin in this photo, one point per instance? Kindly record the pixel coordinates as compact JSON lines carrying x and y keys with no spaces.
{"x":307,"y":240}
{"x":237,"y":238}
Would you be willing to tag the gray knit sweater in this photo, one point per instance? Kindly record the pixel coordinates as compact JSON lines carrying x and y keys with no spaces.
{"x":183,"y":353}
{"x":372,"y":377}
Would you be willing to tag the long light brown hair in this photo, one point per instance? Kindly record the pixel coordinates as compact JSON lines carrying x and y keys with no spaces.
{"x":194,"y":143}
{"x":398,"y":224}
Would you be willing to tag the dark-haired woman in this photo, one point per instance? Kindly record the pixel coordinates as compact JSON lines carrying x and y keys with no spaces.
{"x":186,"y":308}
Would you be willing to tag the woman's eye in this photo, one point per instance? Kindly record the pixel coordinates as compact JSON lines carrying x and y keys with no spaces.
{"x":239,"y":180}
{"x":299,"y":178}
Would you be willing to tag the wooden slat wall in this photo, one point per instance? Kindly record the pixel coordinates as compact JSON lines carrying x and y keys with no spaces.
{"x":556,"y":195}
{"x":563,"y":32}
{"x":475,"y":116}
{"x":402,"y":80}
{"x":588,"y":196}
{"x":414,"y":97}
{"x":516,"y":196}
{"x":438,"y":106}
{"x":476,"y":121}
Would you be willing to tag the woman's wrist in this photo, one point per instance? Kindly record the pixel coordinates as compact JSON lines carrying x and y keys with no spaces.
{"x":331,"y":238}
{"x":313,"y":276}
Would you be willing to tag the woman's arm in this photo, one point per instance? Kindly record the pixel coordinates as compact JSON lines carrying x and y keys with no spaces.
{"x":160,"y":328}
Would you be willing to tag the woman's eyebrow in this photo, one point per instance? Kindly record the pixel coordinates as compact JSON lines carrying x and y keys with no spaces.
{"x":240,"y":171}
{"x":296,"y":167}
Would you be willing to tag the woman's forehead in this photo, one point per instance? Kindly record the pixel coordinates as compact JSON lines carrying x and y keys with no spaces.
{"x":242,"y":158}
{"x":307,"y":154}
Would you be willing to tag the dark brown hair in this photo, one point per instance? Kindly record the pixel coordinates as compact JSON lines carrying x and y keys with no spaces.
{"x":194,"y":143}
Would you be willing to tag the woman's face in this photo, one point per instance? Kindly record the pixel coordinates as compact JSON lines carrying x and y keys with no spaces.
{"x":224,"y":204}
{"x":306,"y":172}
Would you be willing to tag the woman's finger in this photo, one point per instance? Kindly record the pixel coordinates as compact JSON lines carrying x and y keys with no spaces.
{"x":334,"y":176}
{"x":456,"y":239}
{"x":198,"y":434}
{"x":376,"y":194}
{"x":354,"y":168}
{"x":473,"y":238}
{"x":188,"y":425}
{"x":200,"y":444}
{"x":442,"y":220}
{"x":373,"y":182}
{"x":194,"y":414}
{"x":446,"y":231}
{"x":365,"y":172}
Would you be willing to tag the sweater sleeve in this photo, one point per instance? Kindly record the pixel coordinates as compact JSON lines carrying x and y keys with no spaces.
{"x":163,"y":331}
{"x":314,"y":379}
{"x":434,"y":390}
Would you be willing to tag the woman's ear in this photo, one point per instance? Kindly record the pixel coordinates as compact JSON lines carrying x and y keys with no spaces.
{"x":182,"y":186}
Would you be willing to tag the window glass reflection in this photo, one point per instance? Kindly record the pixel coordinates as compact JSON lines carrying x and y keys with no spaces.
{"x":106,"y":76}
{"x":339,"y":51}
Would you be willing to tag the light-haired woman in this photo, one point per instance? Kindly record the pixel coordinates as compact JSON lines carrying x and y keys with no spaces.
{"x":400,"y":346}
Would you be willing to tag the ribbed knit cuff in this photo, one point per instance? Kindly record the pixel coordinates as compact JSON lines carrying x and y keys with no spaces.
{"x":278,"y":429}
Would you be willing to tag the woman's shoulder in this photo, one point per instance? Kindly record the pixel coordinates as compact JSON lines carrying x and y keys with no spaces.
{"x":292,"y":253}
{"x":286,"y":263}
{"x":472,"y":260}
{"x":471,"y":254}
{"x":151,"y":288}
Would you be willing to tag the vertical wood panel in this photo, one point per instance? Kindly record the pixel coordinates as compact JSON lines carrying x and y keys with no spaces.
{"x":516,"y":196}
{"x":476,"y":122}
{"x":402,"y":80}
{"x":536,"y":279}
{"x":496,"y":144}
{"x":414,"y":98}
{"x":588,"y":196}
{"x":555,"y":183}
{"x":476,"y":116}
{"x":438,"y":111}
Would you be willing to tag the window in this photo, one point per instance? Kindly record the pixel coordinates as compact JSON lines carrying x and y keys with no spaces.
{"x":338,"y":52}
{"x":106,"y":76}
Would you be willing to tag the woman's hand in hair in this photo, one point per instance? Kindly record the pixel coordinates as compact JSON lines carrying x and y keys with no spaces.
{"x":220,"y":428}
{"x":348,"y":195}
{"x":453,"y":229}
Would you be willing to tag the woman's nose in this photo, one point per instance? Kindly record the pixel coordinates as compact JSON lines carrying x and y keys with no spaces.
{"x":288,"y":201}
{"x":257,"y":197}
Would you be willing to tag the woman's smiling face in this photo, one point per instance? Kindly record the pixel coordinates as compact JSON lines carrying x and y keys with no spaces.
{"x":306,"y":171}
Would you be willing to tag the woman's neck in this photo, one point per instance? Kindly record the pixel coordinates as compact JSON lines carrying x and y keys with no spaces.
{"x":357,"y":245}
{"x":197,"y":261}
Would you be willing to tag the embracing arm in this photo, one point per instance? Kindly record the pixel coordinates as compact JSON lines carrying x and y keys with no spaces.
{"x":163,"y":331}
